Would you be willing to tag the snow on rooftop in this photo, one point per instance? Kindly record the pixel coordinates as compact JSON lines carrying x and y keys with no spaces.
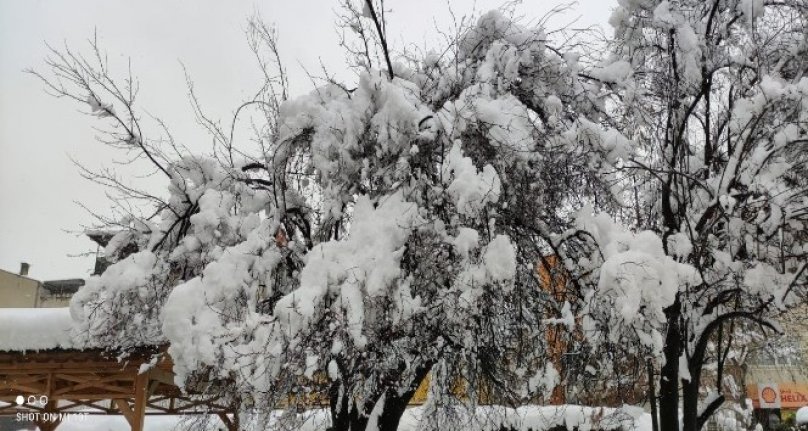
{"x":24,"y":329}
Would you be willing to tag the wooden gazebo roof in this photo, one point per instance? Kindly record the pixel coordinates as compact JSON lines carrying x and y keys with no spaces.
{"x":96,"y":382}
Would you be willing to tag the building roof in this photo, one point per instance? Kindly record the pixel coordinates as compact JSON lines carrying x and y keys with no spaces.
{"x":101,"y":236}
{"x":61,"y":287}
{"x":17,"y":274}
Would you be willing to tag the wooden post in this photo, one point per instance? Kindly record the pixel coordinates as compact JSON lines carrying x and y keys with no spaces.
{"x":126,"y":411}
{"x":141,"y":396}
{"x":49,"y":425}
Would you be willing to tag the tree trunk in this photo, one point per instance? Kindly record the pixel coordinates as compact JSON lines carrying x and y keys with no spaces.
{"x":669,"y":375}
{"x":394,"y":408}
{"x":358,"y":421}
{"x":692,"y":418}
{"x":652,"y":396}
{"x":347,"y":416}
{"x":690,"y":405}
{"x":338,"y":403}
{"x":388,"y":420}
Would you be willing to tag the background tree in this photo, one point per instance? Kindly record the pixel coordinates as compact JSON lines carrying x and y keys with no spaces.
{"x":714,"y":101}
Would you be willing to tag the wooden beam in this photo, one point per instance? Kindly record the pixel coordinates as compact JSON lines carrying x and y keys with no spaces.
{"x":113,"y":383}
{"x":92,"y":404}
{"x":90,"y":379}
{"x":16,"y":388}
{"x":126,"y":411}
{"x":141,"y":398}
{"x":50,"y":386}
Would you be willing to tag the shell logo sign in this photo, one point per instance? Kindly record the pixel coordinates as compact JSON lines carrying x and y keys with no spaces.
{"x":769,"y":396}
{"x":787,"y":395}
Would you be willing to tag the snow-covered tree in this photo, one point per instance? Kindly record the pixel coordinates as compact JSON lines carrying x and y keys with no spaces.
{"x":384,"y":231}
{"x":392,"y":227}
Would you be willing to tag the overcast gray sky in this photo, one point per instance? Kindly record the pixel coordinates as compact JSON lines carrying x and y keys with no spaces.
{"x":39,"y":135}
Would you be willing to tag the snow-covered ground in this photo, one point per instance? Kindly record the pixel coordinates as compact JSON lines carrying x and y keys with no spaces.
{"x":533,"y":418}
{"x":117,"y":423}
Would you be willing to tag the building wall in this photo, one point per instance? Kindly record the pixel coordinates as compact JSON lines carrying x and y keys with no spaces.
{"x":795,"y":322}
{"x":17,"y":291}
{"x":791,"y":375}
{"x":54,"y":301}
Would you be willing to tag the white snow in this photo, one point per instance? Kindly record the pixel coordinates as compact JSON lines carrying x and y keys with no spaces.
{"x":495,"y":26}
{"x":509,"y":121}
{"x":151,"y":423}
{"x":373,"y":420}
{"x":470,"y":190}
{"x":486,"y":418}
{"x":802,"y":416}
{"x":544,"y":380}
{"x":102,"y":297}
{"x":679,"y":245}
{"x":35,"y":329}
{"x":617,"y":71}
{"x":751,"y":9}
{"x":690,"y":49}
{"x":636,"y":275}
{"x":465,"y":241}
{"x":567,"y":317}
{"x":662,"y":14}
{"x":500,"y":258}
